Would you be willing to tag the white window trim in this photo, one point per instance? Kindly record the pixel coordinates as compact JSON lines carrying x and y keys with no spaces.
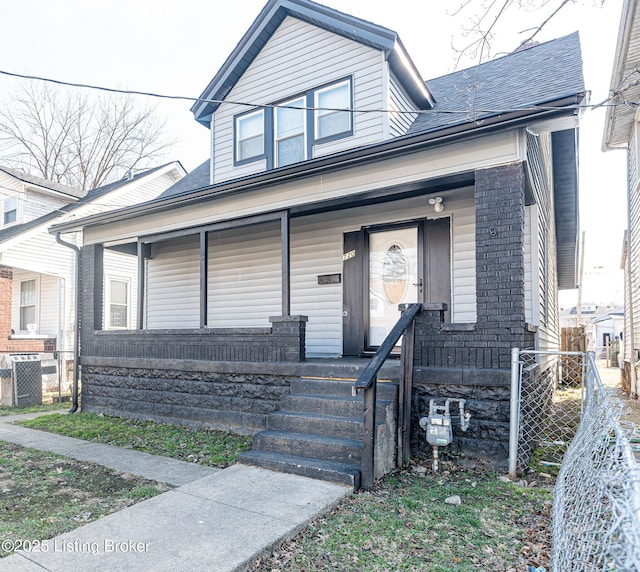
{"x":238,"y":140}
{"x":35,"y":279}
{"x":107,"y":310}
{"x":305,"y":134}
{"x":5,"y":210}
{"x":318,"y":114}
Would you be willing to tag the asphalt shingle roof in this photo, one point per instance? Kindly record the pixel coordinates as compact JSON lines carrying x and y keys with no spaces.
{"x":26,"y":178}
{"x":528,"y":77}
{"x":531,"y":76}
{"x":91,"y":196}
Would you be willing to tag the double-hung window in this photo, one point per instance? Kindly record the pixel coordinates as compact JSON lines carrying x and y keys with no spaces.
{"x":290,"y":132}
{"x":330,"y":121}
{"x":118,"y":304}
{"x":27,"y":303}
{"x":10,"y":210}
{"x":250,"y":136}
{"x":285,"y":133}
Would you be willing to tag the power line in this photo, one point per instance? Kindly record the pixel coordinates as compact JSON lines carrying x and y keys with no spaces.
{"x":284,"y":106}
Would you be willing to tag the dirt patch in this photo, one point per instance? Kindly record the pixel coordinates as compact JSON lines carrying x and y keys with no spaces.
{"x":44,"y":494}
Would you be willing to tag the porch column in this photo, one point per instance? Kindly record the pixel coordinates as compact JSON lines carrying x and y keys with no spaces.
{"x":91,"y":291}
{"x":204,"y":277}
{"x":144,"y":251}
{"x":286,"y":264}
{"x":500,"y":285}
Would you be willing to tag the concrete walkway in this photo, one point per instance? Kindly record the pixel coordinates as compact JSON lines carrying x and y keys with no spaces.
{"x":216,"y":520}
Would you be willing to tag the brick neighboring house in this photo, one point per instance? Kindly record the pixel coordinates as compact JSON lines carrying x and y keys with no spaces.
{"x":37,"y":274}
{"x":286,"y":255}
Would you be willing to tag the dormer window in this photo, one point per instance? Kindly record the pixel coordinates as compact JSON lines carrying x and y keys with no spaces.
{"x":285,"y":133}
{"x":250,"y":136}
{"x":329,"y":121}
{"x":10,"y":210}
{"x":290,"y":133}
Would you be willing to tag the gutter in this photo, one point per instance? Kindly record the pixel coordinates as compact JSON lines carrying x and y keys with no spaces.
{"x":376,"y":152}
{"x":76,"y":334}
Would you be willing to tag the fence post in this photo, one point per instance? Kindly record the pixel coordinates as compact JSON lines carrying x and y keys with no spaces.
{"x":514,"y":414}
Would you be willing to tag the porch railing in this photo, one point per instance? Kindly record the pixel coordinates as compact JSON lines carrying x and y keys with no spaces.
{"x":367,"y":383}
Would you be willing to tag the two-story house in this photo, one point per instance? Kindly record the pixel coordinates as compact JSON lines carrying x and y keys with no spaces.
{"x":38,"y":273}
{"x":340,"y":186}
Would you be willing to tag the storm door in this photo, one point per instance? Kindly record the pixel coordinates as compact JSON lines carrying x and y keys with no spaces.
{"x":387,"y":266}
{"x":394,"y":277}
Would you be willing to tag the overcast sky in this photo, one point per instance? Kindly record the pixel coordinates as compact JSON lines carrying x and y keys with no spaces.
{"x":172,"y":47}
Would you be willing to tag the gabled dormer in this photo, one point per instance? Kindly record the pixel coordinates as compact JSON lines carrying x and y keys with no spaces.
{"x":278,"y":98}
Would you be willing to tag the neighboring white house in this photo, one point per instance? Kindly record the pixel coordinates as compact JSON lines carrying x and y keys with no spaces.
{"x":37,"y":274}
{"x":622,"y":131}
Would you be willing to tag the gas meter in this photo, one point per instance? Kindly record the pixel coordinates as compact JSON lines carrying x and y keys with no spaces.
{"x":438,"y":425}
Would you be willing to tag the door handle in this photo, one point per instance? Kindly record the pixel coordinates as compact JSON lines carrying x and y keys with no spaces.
{"x":419,"y":285}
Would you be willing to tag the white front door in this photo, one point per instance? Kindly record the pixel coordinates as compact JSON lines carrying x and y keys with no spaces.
{"x":393,"y":278}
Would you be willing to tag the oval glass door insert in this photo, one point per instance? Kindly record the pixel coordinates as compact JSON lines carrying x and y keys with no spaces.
{"x":395,"y":272}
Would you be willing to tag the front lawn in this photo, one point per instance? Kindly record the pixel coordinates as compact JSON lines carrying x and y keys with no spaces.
{"x":205,"y":447}
{"x":404,"y":523}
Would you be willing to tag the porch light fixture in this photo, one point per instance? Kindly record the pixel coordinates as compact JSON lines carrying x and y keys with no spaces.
{"x":438,"y":205}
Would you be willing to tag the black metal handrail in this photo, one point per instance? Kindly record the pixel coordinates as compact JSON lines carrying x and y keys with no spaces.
{"x":367,"y":383}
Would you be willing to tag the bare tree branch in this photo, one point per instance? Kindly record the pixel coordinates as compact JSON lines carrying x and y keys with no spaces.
{"x":83,"y":142}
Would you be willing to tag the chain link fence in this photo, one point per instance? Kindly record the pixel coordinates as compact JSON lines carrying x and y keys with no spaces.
{"x":32,"y":378}
{"x":596,"y":501}
{"x":547,"y":397}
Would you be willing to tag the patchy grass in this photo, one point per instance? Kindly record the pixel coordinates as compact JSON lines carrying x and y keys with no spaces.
{"x":405,"y":524}
{"x":205,"y":447}
{"x":5,"y":410}
{"x":44,"y":494}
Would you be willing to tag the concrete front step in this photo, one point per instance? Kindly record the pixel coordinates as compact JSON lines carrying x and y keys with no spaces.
{"x":334,"y":472}
{"x":343,"y":406}
{"x":310,"y":445}
{"x":330,"y":425}
{"x":337,"y":387}
{"x":319,"y":429}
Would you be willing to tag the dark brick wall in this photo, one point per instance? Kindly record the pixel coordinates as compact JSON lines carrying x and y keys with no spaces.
{"x":500,"y":288}
{"x":472,"y":361}
{"x":183,"y":394}
{"x":283,"y":342}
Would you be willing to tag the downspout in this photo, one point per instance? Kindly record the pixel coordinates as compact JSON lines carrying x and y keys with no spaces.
{"x":633,"y":389}
{"x":76,"y":333}
{"x":212,"y":174}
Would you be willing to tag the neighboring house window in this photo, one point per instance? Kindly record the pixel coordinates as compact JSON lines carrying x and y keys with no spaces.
{"x":118,"y":304}
{"x":328,"y":121}
{"x":27,"y":303}
{"x":250,"y":136}
{"x":10,"y":210}
{"x":284,"y":134}
{"x":290,"y":133}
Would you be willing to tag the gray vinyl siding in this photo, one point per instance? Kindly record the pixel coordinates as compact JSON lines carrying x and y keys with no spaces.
{"x":173,"y":284}
{"x":632,"y":299}
{"x":316,"y":248}
{"x":399,"y":123}
{"x":542,"y":256}
{"x":245,"y":267}
{"x":299,"y":57}
{"x":244,"y":271}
